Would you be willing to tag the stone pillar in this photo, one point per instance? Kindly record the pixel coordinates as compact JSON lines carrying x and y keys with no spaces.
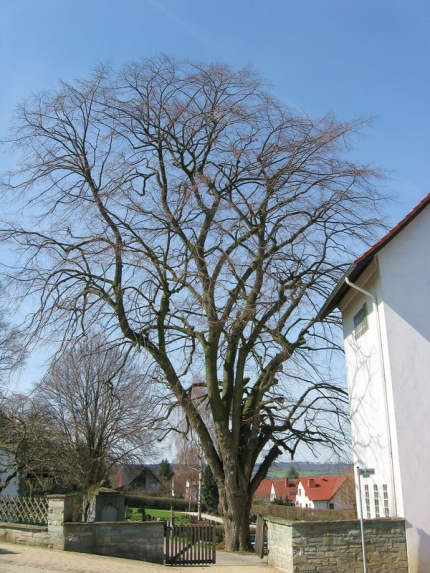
{"x":59,"y":512}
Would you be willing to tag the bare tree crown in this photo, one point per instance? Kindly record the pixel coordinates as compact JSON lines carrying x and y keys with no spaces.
{"x":192,"y":214}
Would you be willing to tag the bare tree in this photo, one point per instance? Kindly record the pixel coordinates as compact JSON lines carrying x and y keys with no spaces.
{"x":196,"y":217}
{"x":28,"y":444}
{"x":102,"y":407}
{"x":12,"y":349}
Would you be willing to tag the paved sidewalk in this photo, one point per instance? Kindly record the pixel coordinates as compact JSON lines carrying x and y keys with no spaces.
{"x":25,"y":559}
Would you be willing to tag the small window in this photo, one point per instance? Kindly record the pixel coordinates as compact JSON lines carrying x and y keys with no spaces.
{"x":152,"y":484}
{"x":360,"y":321}
{"x":331,"y":505}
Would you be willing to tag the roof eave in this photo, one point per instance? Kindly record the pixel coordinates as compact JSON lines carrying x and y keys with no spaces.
{"x":359,"y":265}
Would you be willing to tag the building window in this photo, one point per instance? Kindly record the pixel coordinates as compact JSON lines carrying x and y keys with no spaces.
{"x":367,"y":500}
{"x":331,"y":505}
{"x":386,"y":506}
{"x":300,"y":491}
{"x":360,"y":321}
{"x":376,"y":500}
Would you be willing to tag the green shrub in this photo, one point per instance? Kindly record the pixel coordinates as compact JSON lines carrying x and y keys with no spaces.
{"x":219,"y":533}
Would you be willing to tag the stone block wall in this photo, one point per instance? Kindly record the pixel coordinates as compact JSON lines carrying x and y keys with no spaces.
{"x":133,"y":540}
{"x":60,"y":510}
{"x":335,"y":546}
{"x":36,"y":535}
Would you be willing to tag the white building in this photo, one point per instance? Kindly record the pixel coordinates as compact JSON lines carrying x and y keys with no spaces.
{"x":385,"y":304}
{"x":15,"y":486}
{"x":324,"y":492}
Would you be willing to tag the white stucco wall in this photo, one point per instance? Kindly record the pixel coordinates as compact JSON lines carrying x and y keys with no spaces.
{"x":13,"y":487}
{"x":302,"y":499}
{"x":365,"y":375}
{"x":401,"y":282}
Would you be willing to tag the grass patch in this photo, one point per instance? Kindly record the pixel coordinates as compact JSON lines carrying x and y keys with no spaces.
{"x":180,"y":518}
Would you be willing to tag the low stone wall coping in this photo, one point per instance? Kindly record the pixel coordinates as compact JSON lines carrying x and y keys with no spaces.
{"x":137,"y":524}
{"x":282,"y":521}
{"x":22,"y":526}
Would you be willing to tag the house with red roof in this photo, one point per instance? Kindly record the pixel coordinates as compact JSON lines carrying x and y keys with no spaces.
{"x":185,"y":485}
{"x":264,"y":491}
{"x":279,"y":489}
{"x":325,"y":492}
{"x":284,"y":489}
{"x":384,"y":299}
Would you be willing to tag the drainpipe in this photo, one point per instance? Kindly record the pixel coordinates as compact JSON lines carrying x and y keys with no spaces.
{"x":384,"y":384}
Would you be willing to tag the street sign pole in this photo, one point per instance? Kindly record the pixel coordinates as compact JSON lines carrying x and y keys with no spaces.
{"x":365,"y":472}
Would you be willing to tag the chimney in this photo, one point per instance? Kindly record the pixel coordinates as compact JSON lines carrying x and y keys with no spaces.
{"x":311,"y":482}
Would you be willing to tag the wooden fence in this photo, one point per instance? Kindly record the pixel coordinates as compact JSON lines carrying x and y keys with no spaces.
{"x":31,"y":510}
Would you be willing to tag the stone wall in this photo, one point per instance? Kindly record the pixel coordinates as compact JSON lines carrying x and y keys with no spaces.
{"x":335,"y":546}
{"x":36,"y":535}
{"x":133,"y":540}
{"x":60,"y":510}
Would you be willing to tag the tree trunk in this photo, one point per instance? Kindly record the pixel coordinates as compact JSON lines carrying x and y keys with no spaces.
{"x":236,"y":507}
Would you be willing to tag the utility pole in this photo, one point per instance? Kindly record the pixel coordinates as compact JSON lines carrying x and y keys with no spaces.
{"x":363,"y":472}
{"x":199,"y":502}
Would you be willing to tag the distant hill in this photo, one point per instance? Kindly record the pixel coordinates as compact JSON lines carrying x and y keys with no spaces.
{"x":279,"y":469}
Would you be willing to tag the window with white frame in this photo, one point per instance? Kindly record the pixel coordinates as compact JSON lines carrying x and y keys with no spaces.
{"x":376,"y":500}
{"x":386,"y":506}
{"x":367,"y":500}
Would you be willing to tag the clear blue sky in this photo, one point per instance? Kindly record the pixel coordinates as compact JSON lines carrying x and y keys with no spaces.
{"x":358,"y":58}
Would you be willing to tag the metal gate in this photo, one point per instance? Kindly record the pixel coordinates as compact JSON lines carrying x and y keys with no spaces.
{"x":190,"y":544}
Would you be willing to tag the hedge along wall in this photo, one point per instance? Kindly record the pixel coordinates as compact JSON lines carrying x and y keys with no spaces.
{"x":159,"y":502}
{"x":292,"y":513}
{"x":335,"y":546}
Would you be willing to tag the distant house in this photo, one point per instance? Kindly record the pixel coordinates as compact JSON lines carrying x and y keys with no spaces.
{"x":134,"y":477}
{"x":264,"y":491}
{"x":185,"y":486}
{"x":276,"y":490}
{"x":179,"y":485}
{"x":325,"y":492}
{"x":384,"y":299}
{"x":284,"y":490}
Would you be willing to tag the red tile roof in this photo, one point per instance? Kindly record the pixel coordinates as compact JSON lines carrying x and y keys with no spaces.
{"x":285,"y":488}
{"x":264,"y":489}
{"x":360,"y":264}
{"x":321,"y":488}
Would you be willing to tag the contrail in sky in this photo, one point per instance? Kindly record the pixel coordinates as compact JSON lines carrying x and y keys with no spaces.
{"x":181,"y":22}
